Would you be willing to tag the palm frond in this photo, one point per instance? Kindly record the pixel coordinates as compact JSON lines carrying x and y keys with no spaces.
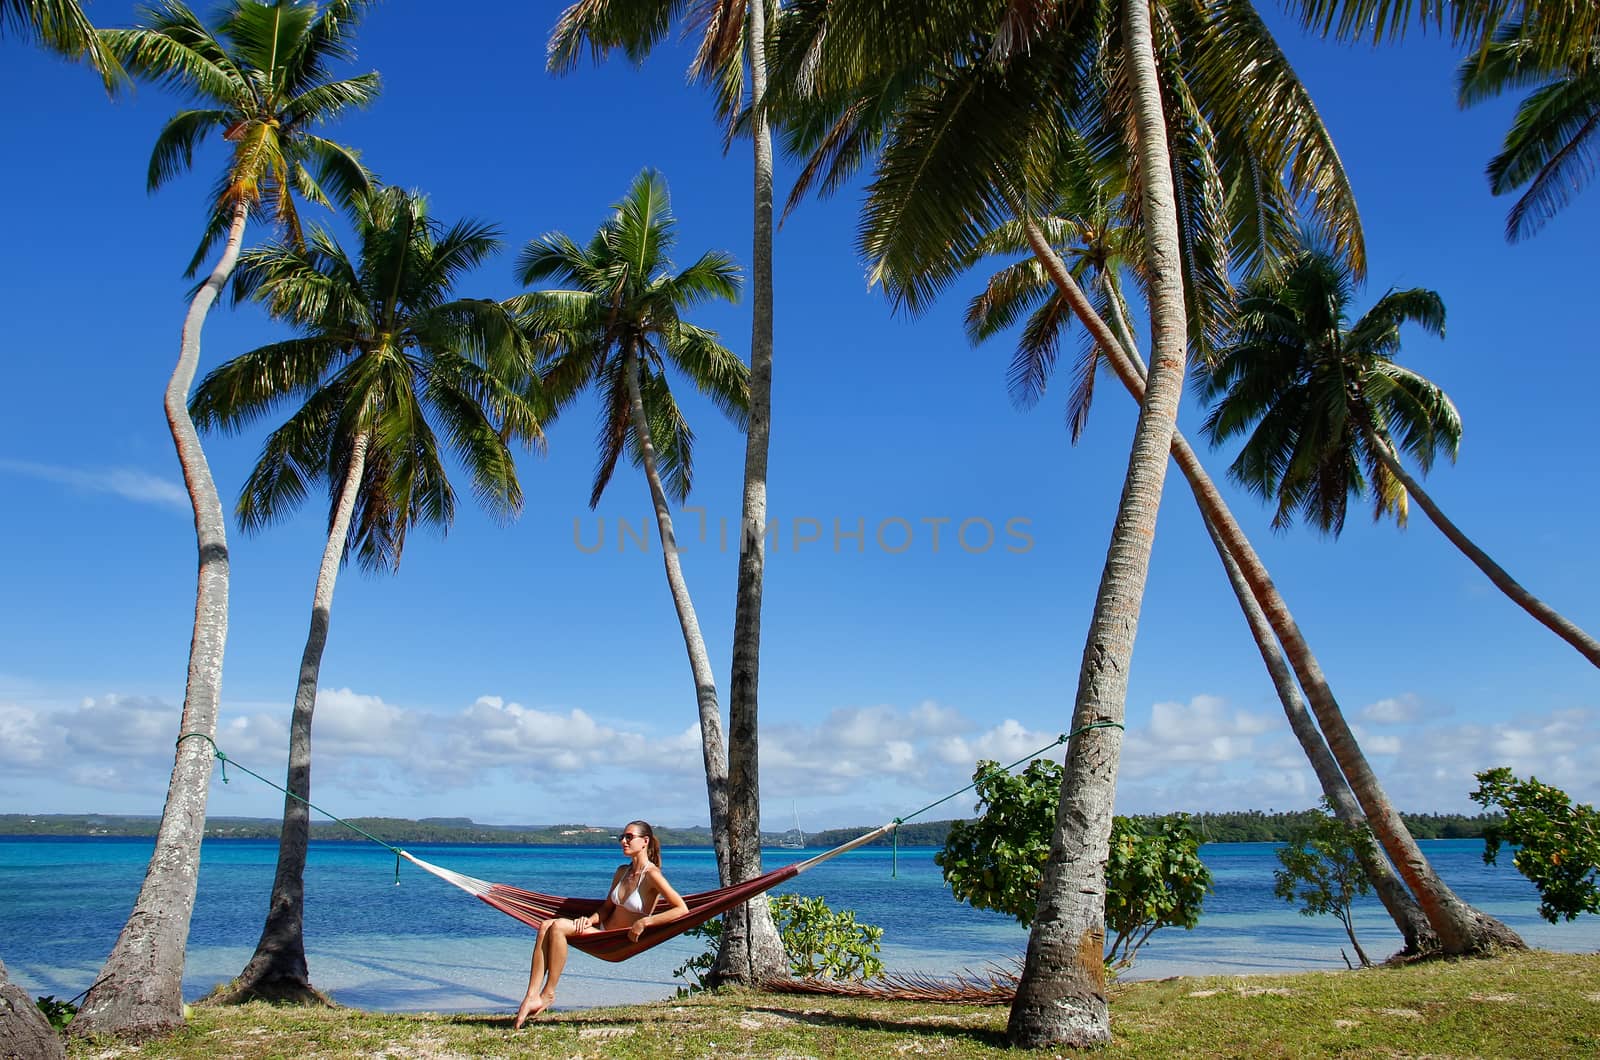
{"x":180,"y":54}
{"x":606,"y":25}
{"x":670,"y":438}
{"x":615,"y":426}
{"x":1272,"y":145}
{"x":245,"y":389}
{"x":1552,"y":148}
{"x":715,"y":370}
{"x":329,"y":99}
{"x":291,"y":458}
{"x":963,"y":156}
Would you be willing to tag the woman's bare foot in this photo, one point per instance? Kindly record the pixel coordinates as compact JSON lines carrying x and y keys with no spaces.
{"x":532,"y":1006}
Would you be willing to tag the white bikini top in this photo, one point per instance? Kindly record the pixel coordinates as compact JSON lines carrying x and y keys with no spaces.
{"x":633,"y":903}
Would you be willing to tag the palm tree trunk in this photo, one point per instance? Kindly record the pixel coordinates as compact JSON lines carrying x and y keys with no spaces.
{"x":751,"y":949}
{"x":1061,"y":997}
{"x":24,"y":1031}
{"x":1542,"y":612}
{"x":1418,"y":935}
{"x":705,"y":684}
{"x":277,"y":971}
{"x":140,"y":988}
{"x":1461,"y":928}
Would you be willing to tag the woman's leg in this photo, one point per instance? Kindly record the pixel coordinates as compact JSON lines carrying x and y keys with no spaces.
{"x":555,"y":961}
{"x":533,"y":1002}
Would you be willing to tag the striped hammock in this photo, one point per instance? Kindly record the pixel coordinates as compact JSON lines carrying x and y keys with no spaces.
{"x":534,"y":909}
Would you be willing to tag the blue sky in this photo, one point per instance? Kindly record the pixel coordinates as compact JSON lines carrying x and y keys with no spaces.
{"x":509,"y":675}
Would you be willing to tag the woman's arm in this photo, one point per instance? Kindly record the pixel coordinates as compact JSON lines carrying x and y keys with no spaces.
{"x":676,"y":907}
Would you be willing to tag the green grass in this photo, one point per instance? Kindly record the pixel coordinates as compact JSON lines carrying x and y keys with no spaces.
{"x":1539,"y":1004}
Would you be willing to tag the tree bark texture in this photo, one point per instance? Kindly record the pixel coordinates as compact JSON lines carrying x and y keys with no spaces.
{"x":139,"y":991}
{"x":705,"y":684}
{"x":751,"y":949}
{"x":1061,"y":997}
{"x":24,"y":1032}
{"x":278,"y":971}
{"x":1542,"y":612}
{"x":1460,"y":928}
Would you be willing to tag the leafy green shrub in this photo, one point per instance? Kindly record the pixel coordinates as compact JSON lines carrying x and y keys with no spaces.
{"x":1154,"y":876}
{"x":1322,"y":870}
{"x":819,"y":942}
{"x":1558,"y":843}
{"x":59,"y":1013}
{"x":1154,"y":879}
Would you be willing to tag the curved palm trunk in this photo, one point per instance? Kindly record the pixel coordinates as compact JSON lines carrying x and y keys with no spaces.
{"x":1542,"y":612}
{"x":1461,"y":929}
{"x":1418,"y":935}
{"x":751,"y":949}
{"x":140,"y":988}
{"x":277,"y":971}
{"x":705,"y":685}
{"x":1061,"y":997}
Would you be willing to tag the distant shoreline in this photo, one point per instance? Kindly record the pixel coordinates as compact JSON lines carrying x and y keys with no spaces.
{"x":1252,"y":826}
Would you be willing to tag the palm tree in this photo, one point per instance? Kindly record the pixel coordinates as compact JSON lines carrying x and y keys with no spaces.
{"x":1550,"y":148}
{"x":62,"y":26}
{"x":967,"y":105}
{"x":1328,"y":411}
{"x":985,"y":93}
{"x":263,"y":73}
{"x":384,"y":353}
{"x":1097,"y":247}
{"x":1459,"y":928}
{"x":616,"y":326}
{"x":733,"y":47}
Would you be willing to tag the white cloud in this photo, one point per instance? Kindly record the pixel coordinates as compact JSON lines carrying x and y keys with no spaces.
{"x":498,"y":760}
{"x":1381,"y":745}
{"x":1404,"y":709}
{"x":26,"y":740}
{"x":127,"y":483}
{"x":1204,"y":730}
{"x":123,"y":726}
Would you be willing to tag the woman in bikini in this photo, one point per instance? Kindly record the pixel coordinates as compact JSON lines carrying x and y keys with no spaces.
{"x":635,"y":887}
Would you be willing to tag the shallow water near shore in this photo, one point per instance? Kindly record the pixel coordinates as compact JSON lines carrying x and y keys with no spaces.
{"x":425,"y":946}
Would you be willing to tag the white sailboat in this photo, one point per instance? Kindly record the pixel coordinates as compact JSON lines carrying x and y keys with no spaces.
{"x":794,"y":839}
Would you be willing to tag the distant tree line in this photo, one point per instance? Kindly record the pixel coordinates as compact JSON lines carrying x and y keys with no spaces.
{"x":1241,"y":826}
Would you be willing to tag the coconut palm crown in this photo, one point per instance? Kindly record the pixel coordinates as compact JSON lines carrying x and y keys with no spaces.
{"x":620,"y":310}
{"x":383,"y":350}
{"x":262,"y":77}
{"x":1315,"y":393}
{"x":967,"y":108}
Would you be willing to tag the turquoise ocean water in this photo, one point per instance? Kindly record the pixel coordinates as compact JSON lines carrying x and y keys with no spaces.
{"x":425,"y":946}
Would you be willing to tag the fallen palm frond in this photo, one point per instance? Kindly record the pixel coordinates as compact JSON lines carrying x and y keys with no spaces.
{"x":993,"y":986}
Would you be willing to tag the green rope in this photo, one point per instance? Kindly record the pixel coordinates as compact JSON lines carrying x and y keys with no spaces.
{"x":1059,"y":740}
{"x":224,"y":759}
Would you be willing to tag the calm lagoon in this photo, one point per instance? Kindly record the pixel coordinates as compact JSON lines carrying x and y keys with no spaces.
{"x":422,"y":945}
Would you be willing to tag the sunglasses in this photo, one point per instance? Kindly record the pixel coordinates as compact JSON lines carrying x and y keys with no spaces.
{"x":627,"y":836}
